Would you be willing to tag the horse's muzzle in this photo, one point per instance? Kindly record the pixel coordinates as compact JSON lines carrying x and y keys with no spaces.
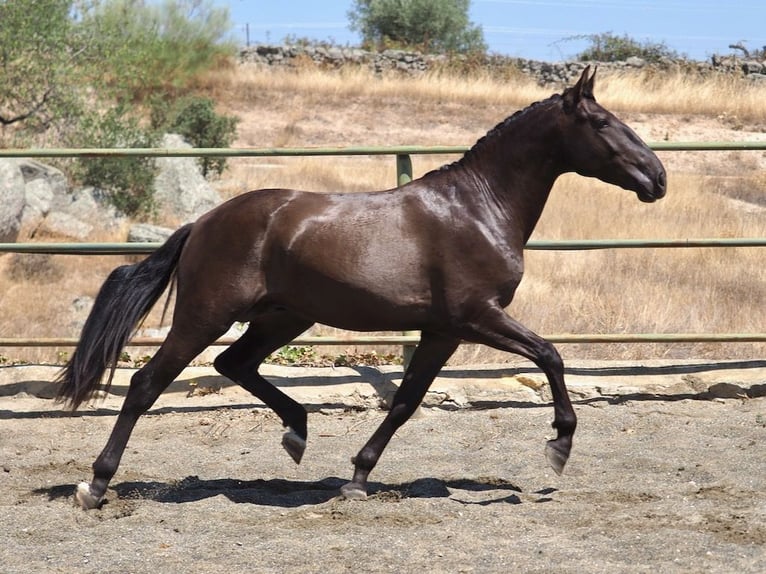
{"x":659,"y":188}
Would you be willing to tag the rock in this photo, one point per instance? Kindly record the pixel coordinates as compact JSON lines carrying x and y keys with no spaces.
{"x":38,"y":199}
{"x":82,"y":303}
{"x":34,"y":170}
{"x":12,"y":192}
{"x":145,"y":233}
{"x":90,"y":206}
{"x":752,"y":67}
{"x":51,"y":209}
{"x":179,"y":188}
{"x":60,"y":224}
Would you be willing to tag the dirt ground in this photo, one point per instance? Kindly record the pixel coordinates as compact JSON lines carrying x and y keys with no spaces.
{"x":668,"y":474}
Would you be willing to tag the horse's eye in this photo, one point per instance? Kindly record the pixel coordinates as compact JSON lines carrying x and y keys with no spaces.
{"x":600,"y":123}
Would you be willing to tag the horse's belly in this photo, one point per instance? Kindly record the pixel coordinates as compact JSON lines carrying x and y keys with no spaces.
{"x":356,"y":305}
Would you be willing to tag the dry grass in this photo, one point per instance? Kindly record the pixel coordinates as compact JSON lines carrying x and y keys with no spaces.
{"x":715,"y":194}
{"x":719,"y":95}
{"x":250,"y":83}
{"x":645,"y":91}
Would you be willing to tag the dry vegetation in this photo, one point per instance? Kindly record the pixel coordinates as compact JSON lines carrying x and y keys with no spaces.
{"x":711,"y":194}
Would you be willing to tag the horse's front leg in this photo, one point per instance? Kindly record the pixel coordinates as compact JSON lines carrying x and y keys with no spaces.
{"x":427,"y":360}
{"x":496,"y":329}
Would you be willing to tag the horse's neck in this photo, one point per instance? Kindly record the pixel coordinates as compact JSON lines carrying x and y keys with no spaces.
{"x":516,"y":171}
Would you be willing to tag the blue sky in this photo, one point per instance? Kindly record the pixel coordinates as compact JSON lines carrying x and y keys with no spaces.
{"x":534,"y":29}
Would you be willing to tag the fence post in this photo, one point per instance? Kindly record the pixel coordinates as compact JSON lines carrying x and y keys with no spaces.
{"x":403,"y":168}
{"x":403,"y":176}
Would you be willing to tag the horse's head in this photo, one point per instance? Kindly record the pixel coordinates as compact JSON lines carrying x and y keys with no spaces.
{"x":597,"y":144}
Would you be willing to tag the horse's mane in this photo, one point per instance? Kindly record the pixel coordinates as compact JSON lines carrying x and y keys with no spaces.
{"x":499,"y":129}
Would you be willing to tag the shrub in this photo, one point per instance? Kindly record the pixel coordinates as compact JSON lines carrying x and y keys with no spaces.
{"x":196,"y":120}
{"x":608,"y":47}
{"x":127,"y":182}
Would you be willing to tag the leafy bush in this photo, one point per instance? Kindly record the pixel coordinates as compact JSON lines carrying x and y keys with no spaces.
{"x":127,"y":182}
{"x":196,"y":120}
{"x":608,"y":47}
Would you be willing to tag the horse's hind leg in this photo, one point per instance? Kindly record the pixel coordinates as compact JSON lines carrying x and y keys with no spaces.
{"x":240,"y":363}
{"x":146,"y":385}
{"x":428,"y":359}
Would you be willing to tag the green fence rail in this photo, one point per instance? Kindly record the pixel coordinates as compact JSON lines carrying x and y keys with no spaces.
{"x":331,"y":151}
{"x":532,"y":245}
{"x":404,"y":174}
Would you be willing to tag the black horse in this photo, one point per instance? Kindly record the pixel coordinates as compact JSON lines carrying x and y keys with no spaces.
{"x":442,"y":254}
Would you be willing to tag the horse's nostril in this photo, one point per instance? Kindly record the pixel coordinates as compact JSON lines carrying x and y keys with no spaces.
{"x":661,"y":180}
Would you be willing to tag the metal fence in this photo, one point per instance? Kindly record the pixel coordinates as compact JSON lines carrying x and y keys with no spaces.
{"x":404,"y":174}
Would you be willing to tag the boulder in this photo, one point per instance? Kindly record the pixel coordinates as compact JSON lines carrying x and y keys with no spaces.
{"x":38,"y":199}
{"x":89,"y":205}
{"x":34,"y":171}
{"x":753,"y":67}
{"x":179,"y":188}
{"x":12,"y":192}
{"x":145,"y":233}
{"x":60,"y":224}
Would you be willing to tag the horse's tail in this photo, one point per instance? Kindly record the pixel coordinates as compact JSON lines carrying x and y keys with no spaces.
{"x":123,"y":301}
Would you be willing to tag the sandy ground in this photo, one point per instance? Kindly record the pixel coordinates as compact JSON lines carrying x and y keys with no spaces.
{"x":668,"y":474}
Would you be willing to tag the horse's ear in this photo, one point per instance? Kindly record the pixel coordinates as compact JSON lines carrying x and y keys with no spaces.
{"x":587,"y":89}
{"x":582,"y":89}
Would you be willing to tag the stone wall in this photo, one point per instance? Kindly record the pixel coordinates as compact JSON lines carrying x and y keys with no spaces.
{"x":546,"y":73}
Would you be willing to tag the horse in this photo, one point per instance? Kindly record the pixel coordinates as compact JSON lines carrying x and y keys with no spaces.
{"x":442,"y":254}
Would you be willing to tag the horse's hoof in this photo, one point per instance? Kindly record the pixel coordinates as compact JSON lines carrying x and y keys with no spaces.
{"x":85,"y":499}
{"x":557,"y":457}
{"x":294,"y":445}
{"x":353,"y":491}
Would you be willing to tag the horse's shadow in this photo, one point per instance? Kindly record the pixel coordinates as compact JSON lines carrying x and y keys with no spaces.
{"x":293,"y":493}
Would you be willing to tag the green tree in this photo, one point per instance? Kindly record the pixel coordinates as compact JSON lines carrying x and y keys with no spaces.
{"x":430,"y":25}
{"x":41,"y":50}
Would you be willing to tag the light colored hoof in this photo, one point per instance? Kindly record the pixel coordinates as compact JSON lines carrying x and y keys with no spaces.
{"x":294,"y":445}
{"x":353,"y":491}
{"x":85,"y":499}
{"x":556,"y":458}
